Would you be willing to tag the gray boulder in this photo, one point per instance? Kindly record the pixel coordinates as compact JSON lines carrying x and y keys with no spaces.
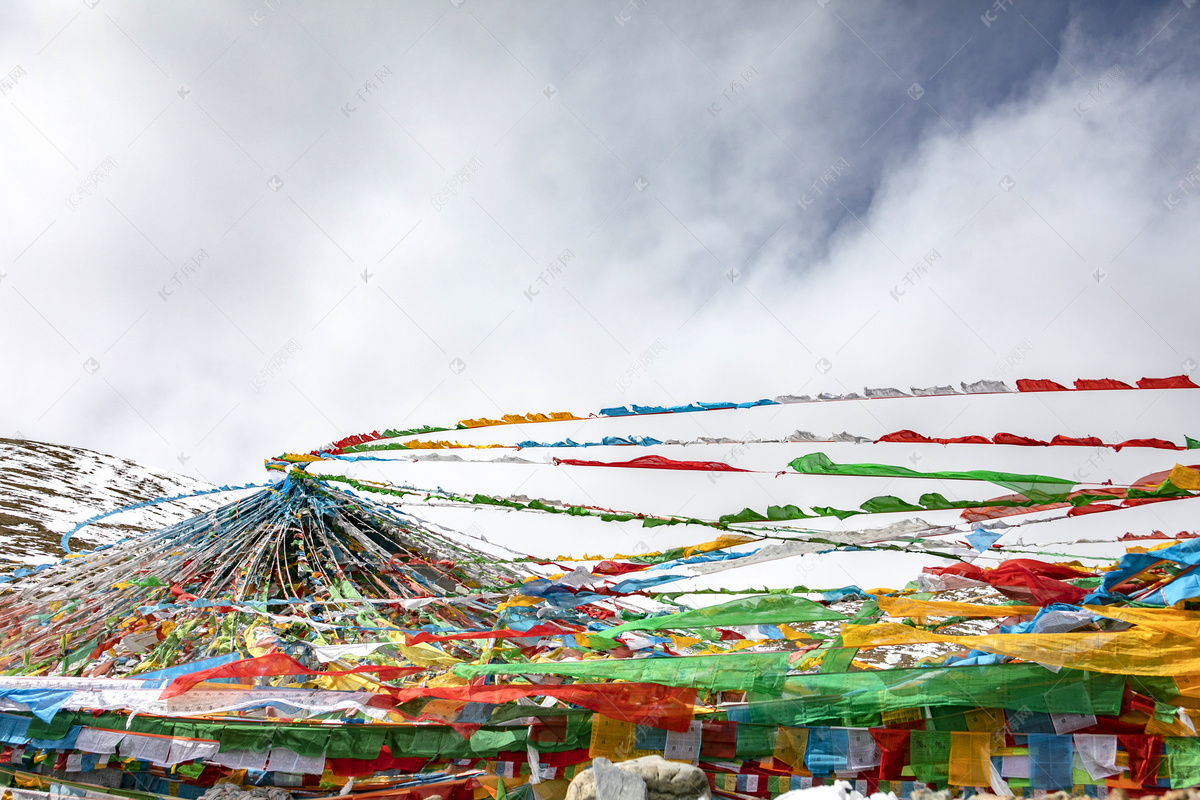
{"x":659,"y":779}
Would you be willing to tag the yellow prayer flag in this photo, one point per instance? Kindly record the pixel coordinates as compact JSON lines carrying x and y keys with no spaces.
{"x":790,"y":744}
{"x":907,"y":607}
{"x":986,"y":720}
{"x":611,"y":738}
{"x":1185,"y":477}
{"x":970,"y":759}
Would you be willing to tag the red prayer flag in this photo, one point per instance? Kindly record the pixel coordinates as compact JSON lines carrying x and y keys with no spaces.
{"x":1145,"y":753}
{"x":1033,"y":385}
{"x":1161,"y":444}
{"x":654,"y":462}
{"x":893,"y":749}
{"x":271,"y":665}
{"x":1012,"y":438}
{"x":667,"y":707}
{"x":1091,"y":508}
{"x":906,"y":436}
{"x":1086,"y":385}
{"x":1077,"y":441}
{"x":1176,"y":382}
{"x":610,"y":567}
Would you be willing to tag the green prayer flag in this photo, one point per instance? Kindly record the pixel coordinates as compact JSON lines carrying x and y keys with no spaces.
{"x":1036,"y":487}
{"x":487,"y":743}
{"x":888,"y":504}
{"x":774,"y":514}
{"x":745,"y":515}
{"x":247,"y":737}
{"x":306,"y":740}
{"x":811,"y":698}
{"x":755,"y":740}
{"x":758,"y":610}
{"x":929,"y":752}
{"x":757,"y":672}
{"x":830,"y":511}
{"x":355,"y":741}
{"x":56,"y":728}
{"x":1183,"y":761}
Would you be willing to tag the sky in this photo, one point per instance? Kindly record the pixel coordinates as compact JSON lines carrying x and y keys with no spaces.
{"x":241,"y":228}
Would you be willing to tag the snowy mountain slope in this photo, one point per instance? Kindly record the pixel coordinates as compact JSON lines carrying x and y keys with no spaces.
{"x":46,"y":489}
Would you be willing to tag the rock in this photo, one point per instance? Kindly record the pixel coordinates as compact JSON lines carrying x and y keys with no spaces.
{"x":1179,"y":794}
{"x":838,"y":790}
{"x":660,"y":779}
{"x":613,"y":783}
{"x":231,"y":791}
{"x":930,"y":794}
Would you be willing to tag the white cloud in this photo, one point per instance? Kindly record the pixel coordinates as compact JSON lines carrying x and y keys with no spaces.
{"x":554,"y":173}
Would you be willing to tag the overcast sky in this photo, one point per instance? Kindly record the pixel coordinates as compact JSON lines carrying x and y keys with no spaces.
{"x":237,"y":228}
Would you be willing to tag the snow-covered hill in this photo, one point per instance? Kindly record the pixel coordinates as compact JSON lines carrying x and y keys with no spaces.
{"x":46,"y":489}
